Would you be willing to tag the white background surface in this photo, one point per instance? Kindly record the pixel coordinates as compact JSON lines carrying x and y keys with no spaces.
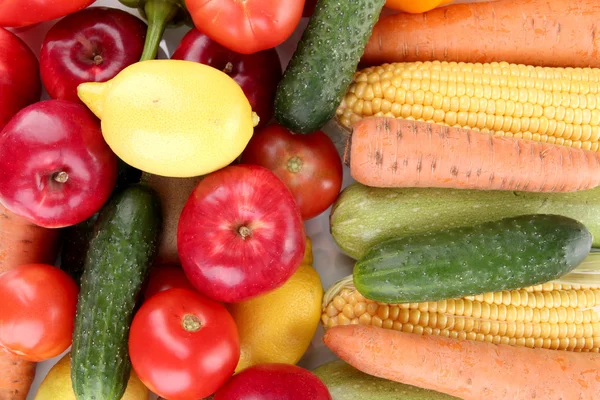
{"x":328,"y":260}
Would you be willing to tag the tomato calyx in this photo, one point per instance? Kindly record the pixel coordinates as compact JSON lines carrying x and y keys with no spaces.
{"x":295,"y":164}
{"x":191,"y":323}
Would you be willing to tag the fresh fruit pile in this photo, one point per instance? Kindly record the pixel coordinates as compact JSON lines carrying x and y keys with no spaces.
{"x":153,"y":212}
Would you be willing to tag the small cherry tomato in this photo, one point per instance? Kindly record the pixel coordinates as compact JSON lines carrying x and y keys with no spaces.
{"x":38,"y":311}
{"x":182,"y":345}
{"x":309,"y":165}
{"x":166,"y":277}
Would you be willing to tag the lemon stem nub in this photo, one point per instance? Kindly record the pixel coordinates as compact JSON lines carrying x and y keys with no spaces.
{"x":255,"y":119}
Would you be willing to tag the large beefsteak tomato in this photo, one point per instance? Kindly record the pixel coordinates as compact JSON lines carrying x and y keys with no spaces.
{"x":308,"y":164}
{"x":182,"y":345}
{"x":29,"y":12}
{"x":240,"y":234}
{"x":247,"y":26}
{"x":38,"y":311}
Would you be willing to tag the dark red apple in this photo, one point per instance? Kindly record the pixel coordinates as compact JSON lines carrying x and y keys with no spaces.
{"x":274,"y":382}
{"x":55,"y":168}
{"x":19,"y":76}
{"x":309,"y":8}
{"x":240,"y":234}
{"x":92,"y":45}
{"x":257,"y":74}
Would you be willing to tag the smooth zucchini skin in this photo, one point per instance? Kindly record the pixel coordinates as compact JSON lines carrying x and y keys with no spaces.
{"x":363,"y":216}
{"x":324,"y":63}
{"x":508,"y":254}
{"x":120,"y":253}
{"x":345,"y":382}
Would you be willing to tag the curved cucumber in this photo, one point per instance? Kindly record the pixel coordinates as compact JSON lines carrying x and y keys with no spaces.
{"x":347,"y":383}
{"x":508,"y":254}
{"x":119,"y":255}
{"x":362,"y":216}
{"x":324,"y":63}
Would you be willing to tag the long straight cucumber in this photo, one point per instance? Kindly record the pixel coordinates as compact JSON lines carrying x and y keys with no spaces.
{"x":118,"y":258}
{"x":324,"y":63}
{"x":508,"y":254}
{"x":363,"y":216}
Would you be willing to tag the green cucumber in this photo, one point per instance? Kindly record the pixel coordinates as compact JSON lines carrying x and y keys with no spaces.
{"x":324,"y":63}
{"x":120,"y":253}
{"x":347,"y":383}
{"x":362,"y":216}
{"x":508,"y":254}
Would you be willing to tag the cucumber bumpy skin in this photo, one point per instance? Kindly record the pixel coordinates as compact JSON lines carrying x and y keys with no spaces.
{"x":324,"y":63}
{"x":508,"y":254}
{"x":120,"y":253}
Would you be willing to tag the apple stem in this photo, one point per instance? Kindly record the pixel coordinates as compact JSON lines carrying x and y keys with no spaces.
{"x":244,"y":232}
{"x":158,"y":13}
{"x":228,"y":68}
{"x":61,"y":177}
{"x":98,"y":59}
{"x":191,"y":323}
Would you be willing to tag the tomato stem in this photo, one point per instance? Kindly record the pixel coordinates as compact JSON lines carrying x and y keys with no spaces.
{"x":61,"y":177}
{"x":295,"y":164}
{"x":191,"y":323}
{"x":244,"y":232}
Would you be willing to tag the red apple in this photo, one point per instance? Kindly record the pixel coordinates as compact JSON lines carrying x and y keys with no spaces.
{"x":240,"y":234}
{"x":274,"y":382}
{"x":309,"y":8}
{"x":55,"y":168}
{"x":257,"y":74}
{"x":19,"y":76}
{"x":92,"y":45}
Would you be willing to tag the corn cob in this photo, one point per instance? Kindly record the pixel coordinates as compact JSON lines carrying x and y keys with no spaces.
{"x":550,"y":316}
{"x":554,"y":105}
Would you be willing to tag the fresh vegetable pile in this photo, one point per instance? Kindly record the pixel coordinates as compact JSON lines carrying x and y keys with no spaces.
{"x":155,"y":211}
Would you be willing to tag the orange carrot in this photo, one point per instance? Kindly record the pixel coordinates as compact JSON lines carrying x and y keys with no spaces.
{"x":467,"y":369}
{"x":21,"y":243}
{"x":389,"y":152}
{"x":551,"y":33}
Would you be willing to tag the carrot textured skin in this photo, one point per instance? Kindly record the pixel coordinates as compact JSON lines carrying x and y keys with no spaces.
{"x":467,"y":369}
{"x":551,"y":33}
{"x":389,"y":152}
{"x":21,"y":242}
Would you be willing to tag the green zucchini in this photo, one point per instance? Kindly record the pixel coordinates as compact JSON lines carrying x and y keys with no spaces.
{"x":324,"y":63}
{"x":363,"y":216}
{"x":508,"y":254}
{"x":347,"y":383}
{"x":120,"y":253}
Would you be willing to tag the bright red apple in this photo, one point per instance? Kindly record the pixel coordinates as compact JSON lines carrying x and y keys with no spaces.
{"x":257,"y":74}
{"x":240,"y":234}
{"x":92,"y":45}
{"x":19,"y":76}
{"x":55,"y":168}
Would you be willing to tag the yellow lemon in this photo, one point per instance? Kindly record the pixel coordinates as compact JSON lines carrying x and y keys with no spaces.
{"x":171,"y":117}
{"x":57,"y":384}
{"x":279,"y":326}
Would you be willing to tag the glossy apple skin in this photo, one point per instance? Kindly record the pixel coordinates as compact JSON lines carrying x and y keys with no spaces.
{"x":274,"y":382}
{"x":92,"y":45}
{"x":240,"y":234}
{"x":257,"y":74}
{"x":20,"y":83}
{"x":41,"y":144}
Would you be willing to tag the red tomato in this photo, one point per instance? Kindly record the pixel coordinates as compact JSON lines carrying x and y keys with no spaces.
{"x":248,"y":26}
{"x":166,"y":277}
{"x":309,"y":165}
{"x":240,"y":234}
{"x":182,"y":345}
{"x":28,"y":12}
{"x":274,"y":382}
{"x":37,"y":312}
{"x":309,"y":8}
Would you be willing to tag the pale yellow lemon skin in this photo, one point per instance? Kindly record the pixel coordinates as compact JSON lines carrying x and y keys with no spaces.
{"x":57,"y":384}
{"x":278,"y":327}
{"x":172,"y":118}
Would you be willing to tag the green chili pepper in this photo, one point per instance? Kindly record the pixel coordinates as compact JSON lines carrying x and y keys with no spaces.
{"x":159,"y":14}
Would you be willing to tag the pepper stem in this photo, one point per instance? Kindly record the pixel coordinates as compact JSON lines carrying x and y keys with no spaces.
{"x":159,"y":13}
